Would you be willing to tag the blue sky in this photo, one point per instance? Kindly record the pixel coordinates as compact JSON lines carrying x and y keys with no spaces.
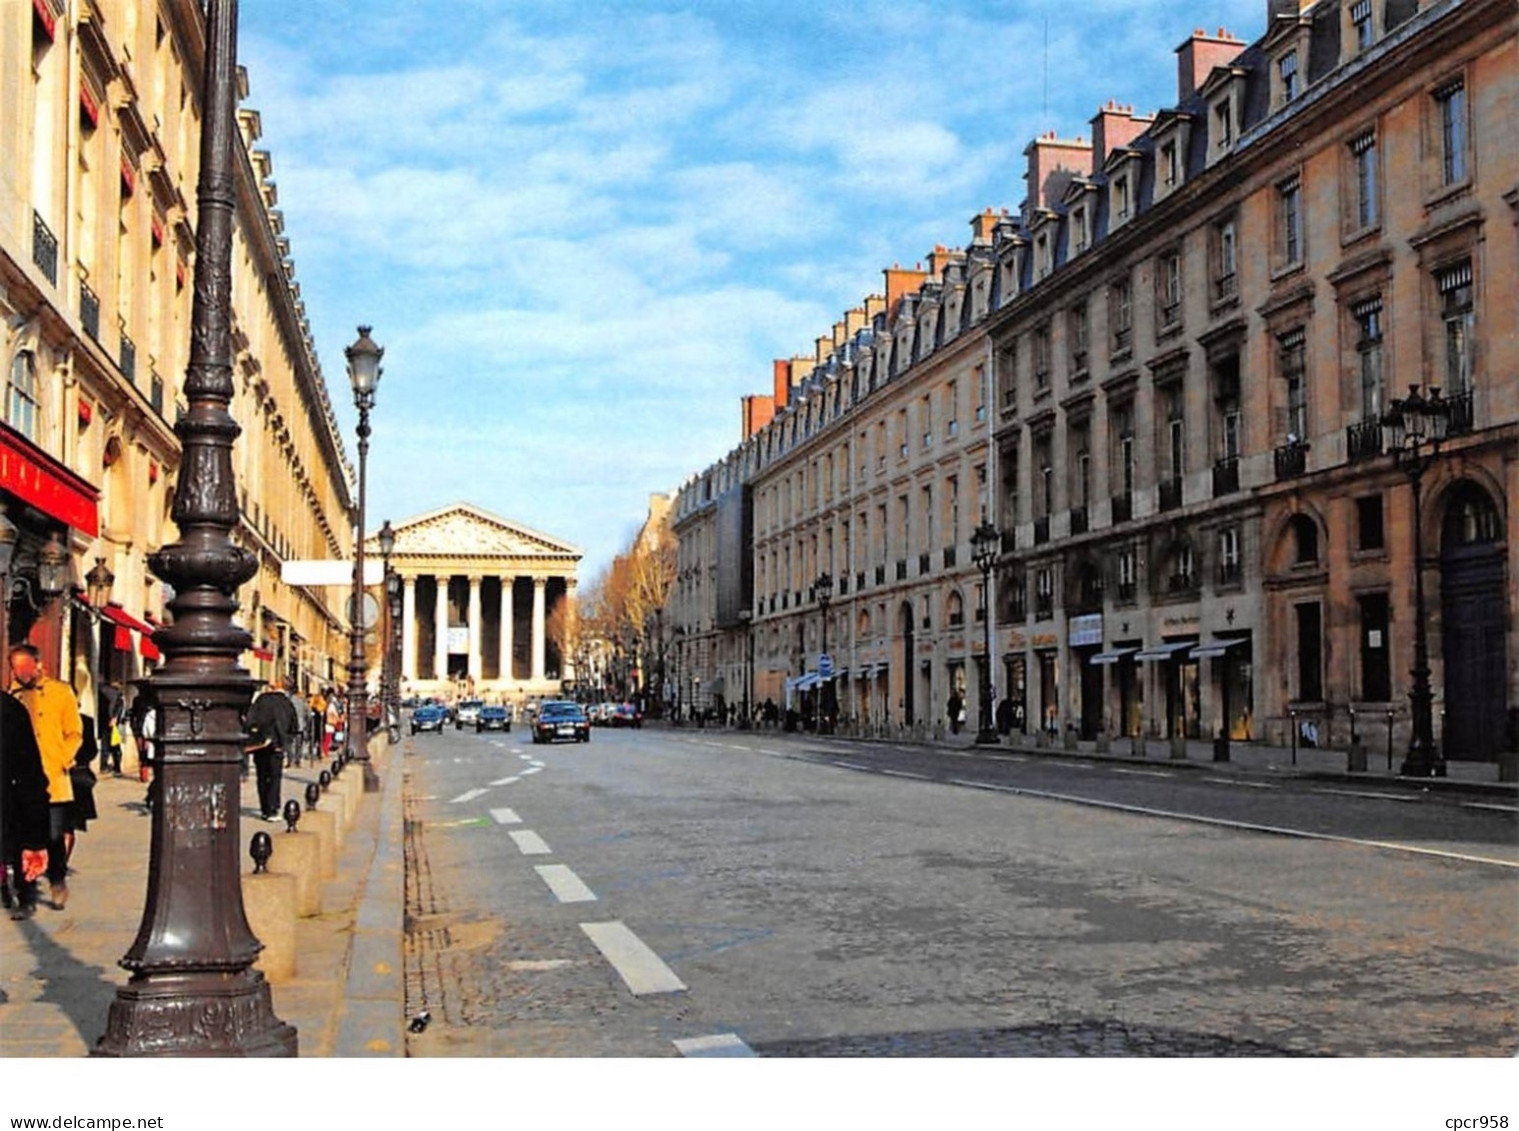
{"x":582,"y":230}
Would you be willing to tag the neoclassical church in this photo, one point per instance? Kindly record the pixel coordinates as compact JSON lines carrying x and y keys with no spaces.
{"x":477,"y":594}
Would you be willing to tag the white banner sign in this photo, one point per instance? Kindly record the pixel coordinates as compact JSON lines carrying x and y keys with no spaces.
{"x":331,"y":571}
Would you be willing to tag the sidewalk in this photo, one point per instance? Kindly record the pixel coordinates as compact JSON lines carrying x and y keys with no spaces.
{"x":59,"y":972}
{"x":1245,"y":758}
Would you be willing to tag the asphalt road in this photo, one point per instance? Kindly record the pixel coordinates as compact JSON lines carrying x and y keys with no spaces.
{"x":659,"y":893}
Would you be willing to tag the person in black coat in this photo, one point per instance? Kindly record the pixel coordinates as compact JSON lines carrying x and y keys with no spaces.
{"x":24,"y":808}
{"x":271,"y":724}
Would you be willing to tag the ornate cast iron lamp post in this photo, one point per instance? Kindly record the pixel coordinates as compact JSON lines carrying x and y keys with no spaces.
{"x":364,"y":373}
{"x":1419,"y":424}
{"x":193,"y":990}
{"x":985,"y":544}
{"x":390,"y":666}
{"x":822,"y":588}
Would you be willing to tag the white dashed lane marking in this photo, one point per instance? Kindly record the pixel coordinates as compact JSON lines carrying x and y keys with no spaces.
{"x":566,"y":886}
{"x":637,"y":965}
{"x":506,"y":781}
{"x":530,"y":843}
{"x":506,"y":817}
{"x":468,"y":795}
{"x":719,"y":1044}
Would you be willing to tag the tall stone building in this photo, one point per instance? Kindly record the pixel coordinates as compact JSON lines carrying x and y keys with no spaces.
{"x":100,"y":127}
{"x":1165,"y":379}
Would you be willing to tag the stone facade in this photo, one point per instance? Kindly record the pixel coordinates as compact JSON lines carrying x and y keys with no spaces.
{"x":100,"y":125}
{"x":1164,"y":380}
{"x":477,"y":593}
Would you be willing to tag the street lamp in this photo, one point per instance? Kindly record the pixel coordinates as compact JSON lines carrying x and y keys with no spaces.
{"x":746,"y":618}
{"x":822,"y":589}
{"x":390,"y":669}
{"x":985,"y":544}
{"x":364,"y":374}
{"x":193,"y":990}
{"x":1419,"y":424}
{"x":98,"y":584}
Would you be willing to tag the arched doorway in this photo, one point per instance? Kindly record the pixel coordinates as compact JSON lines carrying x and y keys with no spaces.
{"x":1472,"y":624}
{"x":906,"y":667}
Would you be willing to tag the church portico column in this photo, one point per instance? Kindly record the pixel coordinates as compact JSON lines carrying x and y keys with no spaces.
{"x":408,"y":628}
{"x":474,"y":627}
{"x":507,"y":585}
{"x":540,"y":586}
{"x":440,"y":635}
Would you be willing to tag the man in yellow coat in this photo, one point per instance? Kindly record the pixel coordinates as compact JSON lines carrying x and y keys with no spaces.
{"x":55,"y":719}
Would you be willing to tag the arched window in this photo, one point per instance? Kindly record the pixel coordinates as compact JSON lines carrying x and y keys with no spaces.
{"x":954,"y":609}
{"x":1471,"y":518}
{"x":22,"y":400}
{"x":1305,"y":539}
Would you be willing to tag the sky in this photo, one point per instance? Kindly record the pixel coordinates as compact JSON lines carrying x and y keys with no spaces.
{"x":583,"y":230}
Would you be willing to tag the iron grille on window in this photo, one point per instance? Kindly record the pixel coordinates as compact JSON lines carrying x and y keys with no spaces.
{"x":1363,"y":440}
{"x":902,"y":570}
{"x":924,"y":564}
{"x":44,"y":249}
{"x":1228,"y":572}
{"x":1291,"y":459}
{"x":1170,"y":493}
{"x":1226,"y":476}
{"x":1078,"y":520}
{"x":859,"y":580}
{"x":1009,"y":540}
{"x":880,"y":575}
{"x":1041,"y":529}
{"x":949,"y":557}
{"x":89,"y":311}
{"x":128,"y":359}
{"x":1123,"y":507}
{"x":156,"y":394}
{"x":1460,"y":413}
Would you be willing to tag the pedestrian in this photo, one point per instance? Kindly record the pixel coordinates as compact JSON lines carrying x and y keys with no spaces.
{"x":1005,"y":717}
{"x":112,"y":716}
{"x":270,"y":723}
{"x":56,"y":724}
{"x":81,"y":811}
{"x":332,"y":717}
{"x":142,"y":720}
{"x":956,"y":707}
{"x":302,"y":728}
{"x":23,"y":809}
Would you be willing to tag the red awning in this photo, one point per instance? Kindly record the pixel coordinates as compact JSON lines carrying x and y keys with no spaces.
{"x":120,"y":616}
{"x":37,"y":478}
{"x":148,"y":649}
{"x":123,"y":639}
{"x":263,"y":654}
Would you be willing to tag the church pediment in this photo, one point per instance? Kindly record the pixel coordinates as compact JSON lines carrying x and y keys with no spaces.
{"x":468,"y":532}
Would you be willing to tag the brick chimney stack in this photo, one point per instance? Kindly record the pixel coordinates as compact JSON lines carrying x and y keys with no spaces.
{"x":900,"y":281}
{"x":1198,"y":55}
{"x":1051,"y":165}
{"x":781,"y":373}
{"x":1113,"y":128}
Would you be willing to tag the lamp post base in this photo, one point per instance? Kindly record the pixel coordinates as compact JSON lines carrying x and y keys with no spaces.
{"x":1421,"y":765}
{"x":205,"y":1013}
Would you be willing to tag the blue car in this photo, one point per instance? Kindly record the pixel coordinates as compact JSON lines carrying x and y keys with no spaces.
{"x":429,"y":716}
{"x":493,"y":717}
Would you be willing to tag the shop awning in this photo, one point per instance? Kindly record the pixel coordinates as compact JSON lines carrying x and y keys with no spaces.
{"x":37,"y":478}
{"x":1112,"y":657}
{"x":808,"y":681}
{"x":1164,"y":651}
{"x":120,"y":616}
{"x":1215,"y":648}
{"x":148,"y":650}
{"x":263,"y":654}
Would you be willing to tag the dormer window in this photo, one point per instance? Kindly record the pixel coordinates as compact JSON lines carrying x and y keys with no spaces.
{"x":1361,"y":24}
{"x":1120,"y":201}
{"x":1042,"y":264}
{"x":1170,"y":168}
{"x":1079,"y":235}
{"x":1286,"y":71}
{"x":1223,"y":125}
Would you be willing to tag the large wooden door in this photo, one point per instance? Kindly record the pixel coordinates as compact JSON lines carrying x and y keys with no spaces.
{"x":1472,"y":593}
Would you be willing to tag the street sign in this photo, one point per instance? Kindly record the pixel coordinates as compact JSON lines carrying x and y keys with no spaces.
{"x":330,"y":571}
{"x":825,"y":666}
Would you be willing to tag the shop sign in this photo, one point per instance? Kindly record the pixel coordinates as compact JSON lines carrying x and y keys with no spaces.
{"x":1086,"y":630}
{"x":1045,"y":640}
{"x":50,"y":487}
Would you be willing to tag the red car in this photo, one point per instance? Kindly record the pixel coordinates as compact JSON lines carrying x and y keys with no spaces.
{"x":626,"y":715}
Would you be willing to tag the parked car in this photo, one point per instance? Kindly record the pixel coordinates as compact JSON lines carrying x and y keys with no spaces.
{"x":560,"y":718}
{"x":493,"y":717}
{"x":626,"y":715}
{"x":429,"y":716}
{"x":467,"y":712}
